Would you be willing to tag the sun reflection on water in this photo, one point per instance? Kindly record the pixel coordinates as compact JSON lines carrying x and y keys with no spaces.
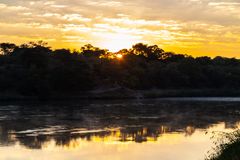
{"x":111,"y":146}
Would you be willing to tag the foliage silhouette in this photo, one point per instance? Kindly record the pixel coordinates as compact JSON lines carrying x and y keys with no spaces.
{"x":227,"y":147}
{"x":34,"y":69}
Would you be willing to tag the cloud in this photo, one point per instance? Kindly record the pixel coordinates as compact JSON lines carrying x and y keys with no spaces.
{"x":6,"y":7}
{"x":105,"y":3}
{"x":180,"y":25}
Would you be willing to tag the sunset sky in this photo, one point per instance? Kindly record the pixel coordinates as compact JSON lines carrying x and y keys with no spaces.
{"x":196,"y":27}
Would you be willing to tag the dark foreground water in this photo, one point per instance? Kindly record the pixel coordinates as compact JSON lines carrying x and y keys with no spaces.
{"x":166,"y":129}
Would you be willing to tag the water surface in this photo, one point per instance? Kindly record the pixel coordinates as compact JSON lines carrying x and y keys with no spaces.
{"x":166,"y":129}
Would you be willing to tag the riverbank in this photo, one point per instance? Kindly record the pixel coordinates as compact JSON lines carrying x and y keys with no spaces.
{"x":125,"y":93}
{"x":228,"y":147}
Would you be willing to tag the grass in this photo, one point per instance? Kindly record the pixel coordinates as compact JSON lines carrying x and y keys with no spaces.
{"x":227,"y":147}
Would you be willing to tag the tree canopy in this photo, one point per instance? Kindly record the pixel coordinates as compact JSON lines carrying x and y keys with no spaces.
{"x":36,"y":69}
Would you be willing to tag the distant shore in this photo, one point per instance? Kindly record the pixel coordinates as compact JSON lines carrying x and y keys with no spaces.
{"x":125,"y":93}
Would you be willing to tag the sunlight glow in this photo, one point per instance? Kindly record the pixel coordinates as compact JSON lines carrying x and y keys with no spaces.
{"x":209,"y":28}
{"x":119,"y":56}
{"x":117,"y":41}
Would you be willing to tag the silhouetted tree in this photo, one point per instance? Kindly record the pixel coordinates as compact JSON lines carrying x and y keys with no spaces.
{"x":150,"y":52}
{"x":7,"y":48}
{"x":91,"y":51}
{"x":37,"y":70}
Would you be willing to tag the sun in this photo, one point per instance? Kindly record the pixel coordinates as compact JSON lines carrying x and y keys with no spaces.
{"x":119,"y":56}
{"x":115,"y":45}
{"x":116,"y":41}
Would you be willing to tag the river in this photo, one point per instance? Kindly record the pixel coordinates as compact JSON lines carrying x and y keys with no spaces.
{"x":166,"y":129}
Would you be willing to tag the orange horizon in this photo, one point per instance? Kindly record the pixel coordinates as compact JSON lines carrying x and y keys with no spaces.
{"x":207,"y":29}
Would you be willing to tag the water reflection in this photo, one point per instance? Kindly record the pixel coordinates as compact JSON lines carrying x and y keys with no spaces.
{"x":164,"y":125}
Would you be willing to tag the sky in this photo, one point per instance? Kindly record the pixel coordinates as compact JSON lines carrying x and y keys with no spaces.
{"x":195,"y":27}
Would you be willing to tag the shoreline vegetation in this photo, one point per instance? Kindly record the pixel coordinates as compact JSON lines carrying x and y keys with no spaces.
{"x":124,"y":93}
{"x":227,"y":147}
{"x":34,"y":71}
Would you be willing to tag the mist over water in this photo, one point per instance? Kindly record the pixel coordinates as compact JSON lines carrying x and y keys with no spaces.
{"x":155,"y":129}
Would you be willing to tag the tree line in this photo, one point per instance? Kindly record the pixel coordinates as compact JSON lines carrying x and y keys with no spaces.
{"x":34,"y":69}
